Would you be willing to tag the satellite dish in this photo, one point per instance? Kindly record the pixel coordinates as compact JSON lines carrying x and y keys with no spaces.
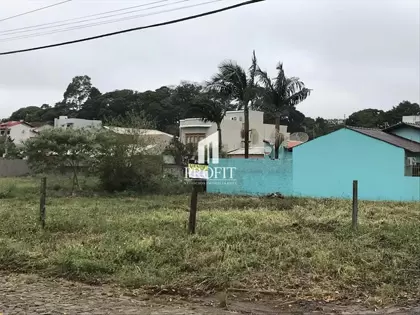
{"x":299,"y":136}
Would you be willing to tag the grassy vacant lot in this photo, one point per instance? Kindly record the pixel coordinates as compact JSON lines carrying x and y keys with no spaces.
{"x":300,"y":247}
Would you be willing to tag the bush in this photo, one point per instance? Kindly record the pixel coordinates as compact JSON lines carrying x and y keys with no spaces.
{"x":168,"y":184}
{"x":119,"y":172}
{"x":124,"y":161}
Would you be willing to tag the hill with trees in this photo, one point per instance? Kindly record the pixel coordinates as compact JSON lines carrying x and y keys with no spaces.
{"x":232,"y":87}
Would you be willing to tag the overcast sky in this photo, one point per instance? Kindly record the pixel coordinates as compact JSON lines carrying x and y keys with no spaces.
{"x":354,"y":54}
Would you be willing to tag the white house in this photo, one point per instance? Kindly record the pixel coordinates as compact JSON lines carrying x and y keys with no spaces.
{"x":411,"y":119}
{"x":192,"y":130}
{"x":76,"y":123}
{"x":18,"y":131}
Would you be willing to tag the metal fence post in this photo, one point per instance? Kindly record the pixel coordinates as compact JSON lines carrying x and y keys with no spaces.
{"x":42,"y":201}
{"x":355,"y":205}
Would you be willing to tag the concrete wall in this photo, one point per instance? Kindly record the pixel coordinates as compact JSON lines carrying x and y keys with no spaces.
{"x":408,"y":133}
{"x":327,"y":166}
{"x":13,"y":168}
{"x":254,"y":177}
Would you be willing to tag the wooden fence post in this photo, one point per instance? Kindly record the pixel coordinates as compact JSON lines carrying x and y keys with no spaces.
{"x":193,"y":209}
{"x":355,"y":205}
{"x":42,"y":201}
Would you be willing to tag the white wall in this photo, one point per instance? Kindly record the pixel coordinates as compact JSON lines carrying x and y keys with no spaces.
{"x":63,"y":121}
{"x":411,"y":119}
{"x":20,"y":133}
{"x":231,"y":129}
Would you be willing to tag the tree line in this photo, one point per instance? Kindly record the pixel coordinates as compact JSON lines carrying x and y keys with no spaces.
{"x":232,"y":87}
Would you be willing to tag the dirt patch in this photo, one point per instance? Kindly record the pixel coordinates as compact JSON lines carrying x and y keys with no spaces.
{"x":31,"y":294}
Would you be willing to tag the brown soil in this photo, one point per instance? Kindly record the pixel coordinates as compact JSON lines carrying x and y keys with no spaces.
{"x":31,"y":294}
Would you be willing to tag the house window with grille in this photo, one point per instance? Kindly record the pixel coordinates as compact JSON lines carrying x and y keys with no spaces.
{"x":412,"y":165}
{"x":194,"y":137}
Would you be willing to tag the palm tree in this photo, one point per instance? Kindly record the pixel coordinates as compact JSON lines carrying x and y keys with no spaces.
{"x":280,"y":96}
{"x":211,"y":106}
{"x":239,"y":84}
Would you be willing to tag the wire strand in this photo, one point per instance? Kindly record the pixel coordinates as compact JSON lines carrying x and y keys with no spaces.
{"x":191,"y":17}
{"x":98,"y":18}
{"x":8,"y":39}
{"x":36,"y":10}
{"x":37,"y":26}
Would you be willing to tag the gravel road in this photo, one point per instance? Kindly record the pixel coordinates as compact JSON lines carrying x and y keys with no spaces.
{"x":31,"y":294}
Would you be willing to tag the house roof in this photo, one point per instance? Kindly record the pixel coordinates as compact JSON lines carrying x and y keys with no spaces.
{"x":195,"y":126}
{"x":38,"y":124}
{"x":397,"y":141}
{"x":401,"y":125}
{"x":252,"y":151}
{"x":132,"y":131}
{"x":9,"y":124}
{"x":292,"y":143}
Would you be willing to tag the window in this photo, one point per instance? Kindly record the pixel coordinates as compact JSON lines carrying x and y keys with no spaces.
{"x":194,"y":137}
{"x":412,"y":165}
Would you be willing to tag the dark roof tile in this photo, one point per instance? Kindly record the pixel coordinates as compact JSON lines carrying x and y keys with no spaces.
{"x":400,"y":125}
{"x":397,"y":141}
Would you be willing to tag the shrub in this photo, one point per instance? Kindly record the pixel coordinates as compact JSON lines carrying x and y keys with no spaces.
{"x":124,"y":161}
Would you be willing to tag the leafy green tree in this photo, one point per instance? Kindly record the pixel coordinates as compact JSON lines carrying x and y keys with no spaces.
{"x":211,"y":106}
{"x":157,"y":104}
{"x":123,"y":161}
{"x":62,"y":149}
{"x":405,"y":108}
{"x":240,"y":85}
{"x":295,"y":121}
{"x":8,"y":148}
{"x":30,"y":113}
{"x":181,"y":99}
{"x":181,"y":153}
{"x":77,"y":92}
{"x":107,"y":105}
{"x":368,"y":118}
{"x":280,"y":96}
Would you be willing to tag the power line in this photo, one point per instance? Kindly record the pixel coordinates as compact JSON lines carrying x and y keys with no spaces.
{"x":191,"y":17}
{"x":108,"y":22}
{"x":39,"y":9}
{"x":27,"y":28}
{"x":88,"y":20}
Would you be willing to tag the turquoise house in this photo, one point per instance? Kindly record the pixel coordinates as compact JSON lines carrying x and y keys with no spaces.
{"x":254,"y":176}
{"x":408,"y":131}
{"x":386,"y":164}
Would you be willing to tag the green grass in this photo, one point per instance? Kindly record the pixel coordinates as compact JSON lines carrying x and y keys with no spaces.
{"x":301,"y":247}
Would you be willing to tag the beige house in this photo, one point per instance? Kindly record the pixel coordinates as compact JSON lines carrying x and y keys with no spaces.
{"x":192,"y":130}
